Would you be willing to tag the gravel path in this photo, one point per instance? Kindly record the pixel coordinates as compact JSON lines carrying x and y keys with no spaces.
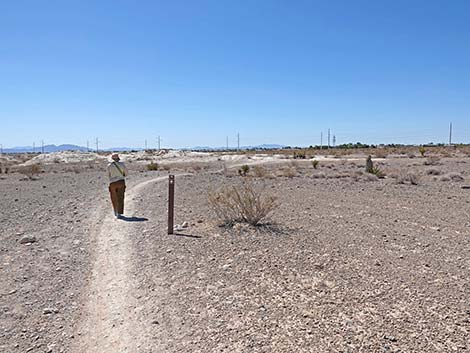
{"x":110,"y":324}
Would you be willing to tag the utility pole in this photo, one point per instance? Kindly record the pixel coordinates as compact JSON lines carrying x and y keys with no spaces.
{"x":97,"y":144}
{"x":146,"y":145}
{"x":450,"y":135}
{"x":328,"y":138}
{"x":238,"y":142}
{"x":34,"y":147}
{"x":321,"y":140}
{"x":88,"y":146}
{"x":1,"y":148}
{"x":226,"y":142}
{"x":334,"y":140}
{"x":42,"y":146}
{"x":158,"y":142}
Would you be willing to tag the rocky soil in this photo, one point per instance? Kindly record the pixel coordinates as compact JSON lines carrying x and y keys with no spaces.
{"x":349,"y":262}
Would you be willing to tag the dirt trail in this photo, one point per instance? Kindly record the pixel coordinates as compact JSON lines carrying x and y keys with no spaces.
{"x":110,"y":323}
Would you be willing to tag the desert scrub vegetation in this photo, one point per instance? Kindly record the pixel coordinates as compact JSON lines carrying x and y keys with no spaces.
{"x":30,"y":171}
{"x":241,"y":204}
{"x":300,"y":155}
{"x":371,"y":169}
{"x":432,"y":161}
{"x":244,"y":170}
{"x":288,"y":172}
{"x":408,"y":178}
{"x":315,"y":164}
{"x":152,"y":166}
{"x":262,"y":172}
{"x":456,"y":177}
{"x":422,"y":151}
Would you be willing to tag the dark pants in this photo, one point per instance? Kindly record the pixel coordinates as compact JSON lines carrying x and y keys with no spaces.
{"x":117,"y":190}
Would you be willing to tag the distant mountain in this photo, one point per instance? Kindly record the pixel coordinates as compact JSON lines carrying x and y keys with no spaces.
{"x":258,"y":147}
{"x":68,"y":147}
{"x":47,"y":149}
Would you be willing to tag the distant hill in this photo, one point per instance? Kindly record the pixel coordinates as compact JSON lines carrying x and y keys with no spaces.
{"x":258,"y":147}
{"x":68,"y":147}
{"x":47,"y":149}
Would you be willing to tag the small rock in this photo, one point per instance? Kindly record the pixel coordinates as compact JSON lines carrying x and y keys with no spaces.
{"x":28,"y":239}
{"x":47,"y":311}
{"x":185,"y":224}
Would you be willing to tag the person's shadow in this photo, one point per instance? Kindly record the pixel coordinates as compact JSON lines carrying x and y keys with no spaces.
{"x":133,"y":219}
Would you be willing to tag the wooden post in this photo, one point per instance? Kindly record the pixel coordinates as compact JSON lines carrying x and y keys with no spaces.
{"x":171,"y":203}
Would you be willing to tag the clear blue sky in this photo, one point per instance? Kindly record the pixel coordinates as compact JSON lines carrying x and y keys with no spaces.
{"x":197,"y":71}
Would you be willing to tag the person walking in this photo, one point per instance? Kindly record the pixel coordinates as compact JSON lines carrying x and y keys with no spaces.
{"x":117,"y":173}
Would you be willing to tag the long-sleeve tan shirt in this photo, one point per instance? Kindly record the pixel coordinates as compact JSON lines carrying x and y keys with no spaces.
{"x":116,"y":171}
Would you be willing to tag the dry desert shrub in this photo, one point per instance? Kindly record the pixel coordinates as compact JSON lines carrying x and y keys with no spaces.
{"x":452,"y":177}
{"x":315,"y":164}
{"x":152,"y":166}
{"x":300,"y":155}
{"x":433,"y":171}
{"x":380,"y":153}
{"x":319,"y":176}
{"x":410,"y":178}
{"x":30,"y":171}
{"x":432,"y":161}
{"x":370,"y":177}
{"x":241,"y":204}
{"x":262,"y":172}
{"x":288,"y":172}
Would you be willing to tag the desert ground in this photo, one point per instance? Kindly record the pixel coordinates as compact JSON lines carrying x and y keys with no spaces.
{"x":346,"y":261}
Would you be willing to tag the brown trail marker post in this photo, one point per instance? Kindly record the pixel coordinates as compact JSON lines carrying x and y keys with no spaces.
{"x":171,"y":203}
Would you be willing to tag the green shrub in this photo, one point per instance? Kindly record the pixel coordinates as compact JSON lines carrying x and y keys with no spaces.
{"x":244,"y":170}
{"x":377,"y":172}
